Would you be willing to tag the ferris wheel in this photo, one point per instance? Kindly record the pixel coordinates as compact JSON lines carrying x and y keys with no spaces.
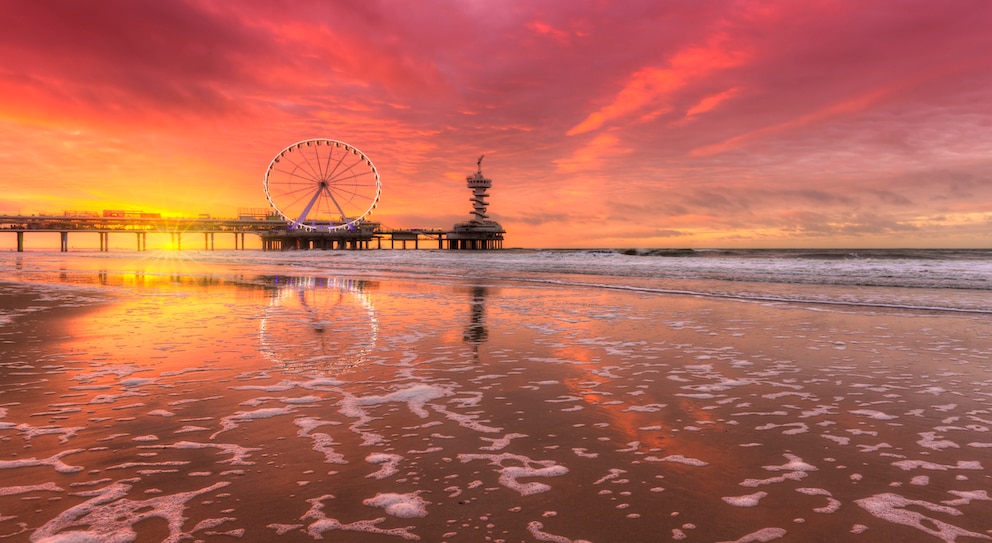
{"x":322,"y":184}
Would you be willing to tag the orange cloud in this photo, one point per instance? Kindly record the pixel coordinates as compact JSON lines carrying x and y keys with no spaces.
{"x":652,"y":86}
{"x":548,"y":30}
{"x":711,"y":102}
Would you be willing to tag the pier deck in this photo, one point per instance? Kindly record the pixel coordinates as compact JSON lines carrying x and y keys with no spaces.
{"x":275,"y":234}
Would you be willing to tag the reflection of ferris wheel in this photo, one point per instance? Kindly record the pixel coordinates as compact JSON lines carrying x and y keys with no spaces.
{"x":318,"y":325}
{"x":322,"y":184}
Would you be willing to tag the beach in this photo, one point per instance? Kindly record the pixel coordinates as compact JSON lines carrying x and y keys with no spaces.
{"x":538,"y":396}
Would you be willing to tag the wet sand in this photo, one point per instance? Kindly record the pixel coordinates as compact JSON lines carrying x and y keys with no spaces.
{"x":297,"y":408}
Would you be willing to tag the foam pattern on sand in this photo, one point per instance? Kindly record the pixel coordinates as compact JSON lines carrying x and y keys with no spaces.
{"x":455,"y":410}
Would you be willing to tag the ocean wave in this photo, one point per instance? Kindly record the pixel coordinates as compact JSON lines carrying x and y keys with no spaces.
{"x":926,"y":279}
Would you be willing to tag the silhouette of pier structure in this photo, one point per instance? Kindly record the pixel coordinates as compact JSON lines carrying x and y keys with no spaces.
{"x":275,"y":232}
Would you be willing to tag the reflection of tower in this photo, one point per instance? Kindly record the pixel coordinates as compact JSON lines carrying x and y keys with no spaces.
{"x":479,"y":232}
{"x":476,"y":332}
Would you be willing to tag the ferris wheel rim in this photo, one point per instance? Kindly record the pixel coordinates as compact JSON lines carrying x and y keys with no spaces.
{"x":348,"y":221}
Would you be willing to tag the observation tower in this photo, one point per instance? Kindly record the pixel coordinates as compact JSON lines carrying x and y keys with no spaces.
{"x":479,"y":232}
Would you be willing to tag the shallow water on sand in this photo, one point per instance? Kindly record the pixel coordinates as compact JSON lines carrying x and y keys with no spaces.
{"x":244,"y":403}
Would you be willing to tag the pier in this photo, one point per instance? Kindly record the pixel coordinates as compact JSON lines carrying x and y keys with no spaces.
{"x":331,"y":214}
{"x":137,"y":225}
{"x":275,"y":234}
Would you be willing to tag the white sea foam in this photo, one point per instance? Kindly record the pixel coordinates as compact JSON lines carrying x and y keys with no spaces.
{"x":15,"y":490}
{"x":322,"y":442}
{"x":761,"y":536}
{"x":930,"y":440}
{"x":111,"y":516}
{"x":794,"y":464}
{"x":791,"y":476}
{"x":750,"y":500}
{"x":508,"y":475}
{"x":794,"y":428}
{"x":536,"y":530}
{"x":678,"y":459}
{"x":231,"y":422}
{"x":873,"y":414}
{"x":907,"y":465}
{"x":965,"y":497}
{"x":238,"y":454}
{"x":55,"y":461}
{"x":390,"y":464}
{"x":408,"y":505}
{"x":894,"y":508}
{"x":415,"y":397}
{"x":499,"y":444}
{"x":322,"y":523}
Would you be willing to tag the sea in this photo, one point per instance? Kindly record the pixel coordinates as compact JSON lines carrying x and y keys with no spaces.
{"x":568,"y":395}
{"x":937,"y":279}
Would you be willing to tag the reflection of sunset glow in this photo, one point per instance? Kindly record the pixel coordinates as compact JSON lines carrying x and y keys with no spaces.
{"x":165,"y":389}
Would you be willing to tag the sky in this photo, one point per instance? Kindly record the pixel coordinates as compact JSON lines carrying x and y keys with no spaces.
{"x":659,"y":123}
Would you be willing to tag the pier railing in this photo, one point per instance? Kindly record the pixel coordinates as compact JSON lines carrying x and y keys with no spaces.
{"x":140,"y":226}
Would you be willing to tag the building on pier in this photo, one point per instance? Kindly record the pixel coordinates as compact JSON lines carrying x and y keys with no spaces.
{"x":479,"y":232}
{"x":359,"y":236}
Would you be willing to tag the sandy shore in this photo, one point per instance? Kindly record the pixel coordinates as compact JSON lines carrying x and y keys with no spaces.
{"x":307,"y":408}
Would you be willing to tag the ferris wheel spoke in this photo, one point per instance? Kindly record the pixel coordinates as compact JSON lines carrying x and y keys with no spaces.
{"x":315,"y":171}
{"x":349,"y":169}
{"x":303,"y":162}
{"x":336,"y":180}
{"x":325,"y":168}
{"x":306,"y":210}
{"x":294,"y":189}
{"x":296,"y":198}
{"x":336,"y":204}
{"x":346,"y":197}
{"x":332,"y":172}
{"x":293,"y":174}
